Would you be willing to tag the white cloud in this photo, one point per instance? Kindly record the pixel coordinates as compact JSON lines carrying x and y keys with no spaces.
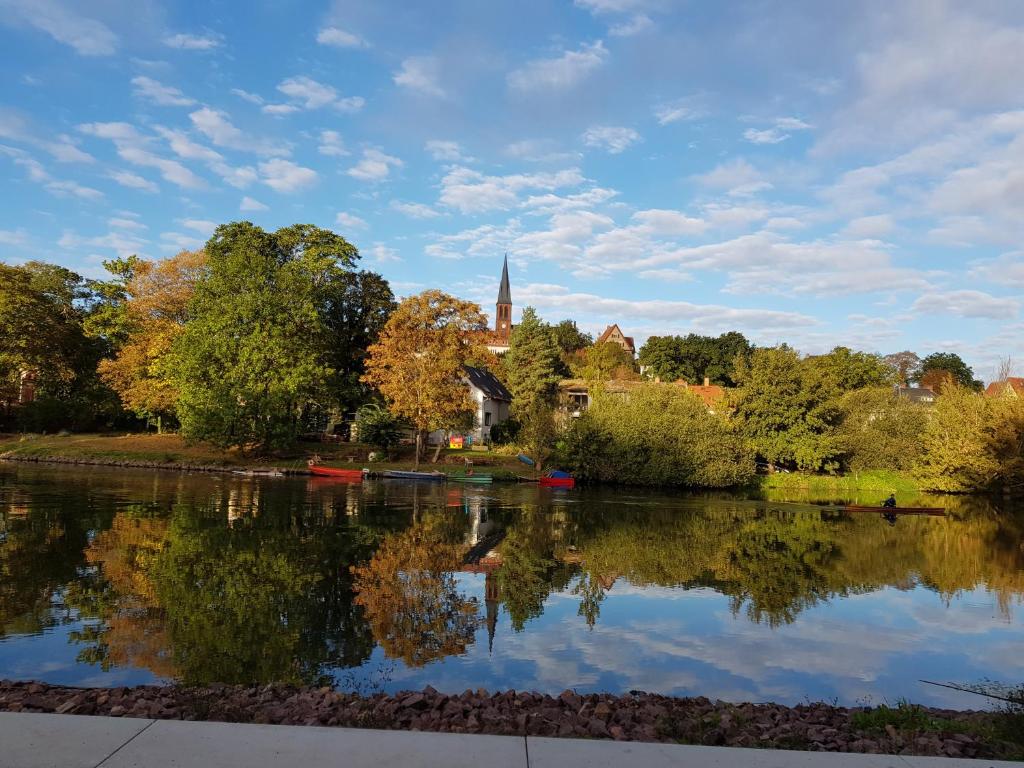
{"x":122,"y":243}
{"x":767,"y":136}
{"x":133,"y":181}
{"x":13,"y":237}
{"x":280,"y":110}
{"x":64,"y":24}
{"x":470,"y":191}
{"x":331,"y":144}
{"x":177,"y":241}
{"x":252,"y":98}
{"x":737,"y":177}
{"x":285,"y":176}
{"x":38,"y":174}
{"x":307,"y":93}
{"x":540,"y":151}
{"x":968,"y":304}
{"x":252,"y":204}
{"x":134,"y":147}
{"x":611,"y":138}
{"x":870,"y":226}
{"x":202,"y":226}
{"x":375,"y":166}
{"x":676,"y":111}
{"x":340,"y":38}
{"x":126,"y":223}
{"x":1006,"y":269}
{"x":612,"y":6}
{"x":560,"y":73}
{"x":792,"y":124}
{"x":382,"y":254}
{"x":415,"y":210}
{"x":446,"y":150}
{"x":636,"y":25}
{"x":187,"y":42}
{"x":65,"y":151}
{"x":351,"y":221}
{"x":217,"y":127}
{"x":420,"y":74}
{"x":671,"y":223}
{"x":160,"y":94}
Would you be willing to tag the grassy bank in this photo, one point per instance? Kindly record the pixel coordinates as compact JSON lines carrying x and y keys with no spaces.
{"x":878,"y":481}
{"x":172,"y":452}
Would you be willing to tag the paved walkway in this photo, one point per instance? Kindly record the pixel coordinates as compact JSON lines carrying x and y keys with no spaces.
{"x":77,"y":741}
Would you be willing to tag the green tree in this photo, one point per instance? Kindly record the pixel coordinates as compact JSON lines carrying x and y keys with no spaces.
{"x":378,"y":427}
{"x":938,"y":365}
{"x":571,"y":341}
{"x":880,"y":430}
{"x":254,"y":355}
{"x":973,"y":443}
{"x":694,"y":358}
{"x":658,"y":434}
{"x":531,"y":363}
{"x":608,"y":361}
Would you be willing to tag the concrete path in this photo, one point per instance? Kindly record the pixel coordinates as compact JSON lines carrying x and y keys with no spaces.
{"x":76,"y":741}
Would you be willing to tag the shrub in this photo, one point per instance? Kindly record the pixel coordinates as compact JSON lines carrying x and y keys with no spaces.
{"x":505,"y":432}
{"x":378,"y":427}
{"x":657,"y":435}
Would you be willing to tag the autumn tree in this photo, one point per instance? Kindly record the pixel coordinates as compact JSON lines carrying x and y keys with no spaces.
{"x":906,"y":364}
{"x":418,"y":362}
{"x":608,"y":361}
{"x":155,"y":312}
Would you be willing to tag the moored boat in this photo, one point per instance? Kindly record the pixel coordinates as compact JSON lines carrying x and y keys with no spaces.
{"x":474,"y":479}
{"x":557,"y":479}
{"x":401,"y":474}
{"x":339,"y":474}
{"x":936,"y":511}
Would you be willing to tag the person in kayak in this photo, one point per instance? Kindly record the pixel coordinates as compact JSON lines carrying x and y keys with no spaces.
{"x":889,"y":505}
{"x":890,"y":502}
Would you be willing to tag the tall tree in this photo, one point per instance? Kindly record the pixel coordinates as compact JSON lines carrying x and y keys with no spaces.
{"x":608,"y":361}
{"x":418,"y":362}
{"x":532,"y":369}
{"x":907,"y":365}
{"x":571,"y":342}
{"x":694,"y":358}
{"x":938,"y":366}
{"x":253,"y":355}
{"x":152,"y":314}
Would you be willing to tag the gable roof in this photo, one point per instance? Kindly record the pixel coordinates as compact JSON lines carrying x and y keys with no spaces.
{"x":488,"y":383}
{"x":610,"y":330}
{"x":1015,"y":384}
{"x":504,"y":292}
{"x":917,"y":394}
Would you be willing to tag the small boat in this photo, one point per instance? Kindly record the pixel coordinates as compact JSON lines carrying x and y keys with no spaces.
{"x":401,"y":474}
{"x":557,"y":479}
{"x":339,"y":474}
{"x":935,"y":511}
{"x":475,"y":479}
{"x":259,"y":472}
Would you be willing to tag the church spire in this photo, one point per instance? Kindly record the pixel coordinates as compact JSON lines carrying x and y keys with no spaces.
{"x":504,"y":292}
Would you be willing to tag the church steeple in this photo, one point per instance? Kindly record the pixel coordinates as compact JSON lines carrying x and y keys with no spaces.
{"x":503,"y":315}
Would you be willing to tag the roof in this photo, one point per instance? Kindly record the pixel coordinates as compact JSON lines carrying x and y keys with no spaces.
{"x":504,"y":292}
{"x":488,"y":383}
{"x":608,"y":332}
{"x":916,"y":394}
{"x":710,"y":394}
{"x":1015,"y":383}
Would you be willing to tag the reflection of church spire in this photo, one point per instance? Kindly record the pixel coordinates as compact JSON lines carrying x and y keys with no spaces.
{"x":492,"y":596}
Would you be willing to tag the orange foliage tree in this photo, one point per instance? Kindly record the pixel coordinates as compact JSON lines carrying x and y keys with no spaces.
{"x":157,"y":309}
{"x":417,"y":364}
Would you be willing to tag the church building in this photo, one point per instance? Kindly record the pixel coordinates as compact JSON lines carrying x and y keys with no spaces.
{"x":498,"y":340}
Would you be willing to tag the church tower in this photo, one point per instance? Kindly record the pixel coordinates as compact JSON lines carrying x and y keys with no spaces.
{"x":503,"y":316}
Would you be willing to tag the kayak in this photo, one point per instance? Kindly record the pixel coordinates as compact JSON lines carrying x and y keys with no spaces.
{"x":341,"y":474}
{"x":937,"y":511}
{"x":400,"y":474}
{"x":475,"y":479}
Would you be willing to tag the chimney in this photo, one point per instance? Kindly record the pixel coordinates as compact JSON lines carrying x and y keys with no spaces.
{"x":657,"y":379}
{"x":707,"y":381}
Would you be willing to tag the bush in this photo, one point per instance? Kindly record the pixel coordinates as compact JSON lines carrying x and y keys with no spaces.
{"x":378,"y":427}
{"x":506,"y":432}
{"x":658,"y":435}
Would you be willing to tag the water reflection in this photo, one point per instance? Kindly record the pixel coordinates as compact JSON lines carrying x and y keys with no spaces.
{"x":150,"y":576}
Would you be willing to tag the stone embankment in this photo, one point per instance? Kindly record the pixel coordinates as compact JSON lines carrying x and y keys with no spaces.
{"x":634,"y":717}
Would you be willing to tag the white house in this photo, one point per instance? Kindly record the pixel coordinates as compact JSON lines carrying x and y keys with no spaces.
{"x":491,"y":398}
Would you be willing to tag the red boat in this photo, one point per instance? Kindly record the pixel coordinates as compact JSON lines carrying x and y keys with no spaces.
{"x":557,"y":480}
{"x":341,"y":474}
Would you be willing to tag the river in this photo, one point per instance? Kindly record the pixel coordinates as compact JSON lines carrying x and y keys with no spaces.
{"x":123,"y":577}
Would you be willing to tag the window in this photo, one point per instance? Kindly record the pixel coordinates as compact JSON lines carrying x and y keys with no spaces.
{"x":487,"y":418}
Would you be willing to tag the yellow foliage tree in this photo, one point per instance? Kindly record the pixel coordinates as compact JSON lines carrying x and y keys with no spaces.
{"x":417,"y":364}
{"x":157,"y":309}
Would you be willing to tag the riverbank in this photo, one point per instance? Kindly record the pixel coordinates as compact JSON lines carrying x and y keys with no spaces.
{"x":880,"y":481}
{"x":638,"y":716}
{"x":171,"y":452}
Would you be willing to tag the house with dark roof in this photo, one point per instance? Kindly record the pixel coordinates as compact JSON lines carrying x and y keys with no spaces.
{"x":490,"y":398}
{"x":917,"y":394}
{"x":1011,"y":386}
{"x":614,"y":335}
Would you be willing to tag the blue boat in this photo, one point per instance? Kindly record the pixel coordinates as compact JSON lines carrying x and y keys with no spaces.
{"x":401,"y":474}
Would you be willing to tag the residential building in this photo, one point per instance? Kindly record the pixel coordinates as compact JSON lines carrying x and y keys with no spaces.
{"x":917,"y":394}
{"x":614,"y":335}
{"x":491,"y":401}
{"x":1012,"y":386}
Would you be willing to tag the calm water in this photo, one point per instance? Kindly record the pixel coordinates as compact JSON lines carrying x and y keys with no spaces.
{"x":124,"y":577}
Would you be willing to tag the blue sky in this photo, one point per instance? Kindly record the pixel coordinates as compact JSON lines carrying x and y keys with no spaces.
{"x":817,"y":173}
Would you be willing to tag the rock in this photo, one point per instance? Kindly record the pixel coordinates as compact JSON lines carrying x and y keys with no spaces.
{"x":117,"y":711}
{"x":597,"y":728}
